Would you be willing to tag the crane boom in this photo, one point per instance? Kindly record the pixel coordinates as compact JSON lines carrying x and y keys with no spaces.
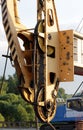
{"x":47,"y":57}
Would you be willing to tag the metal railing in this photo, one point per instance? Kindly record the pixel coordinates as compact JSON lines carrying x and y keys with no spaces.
{"x":31,"y":124}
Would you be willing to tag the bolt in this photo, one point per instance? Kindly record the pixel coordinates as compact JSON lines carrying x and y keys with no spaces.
{"x":49,"y":36}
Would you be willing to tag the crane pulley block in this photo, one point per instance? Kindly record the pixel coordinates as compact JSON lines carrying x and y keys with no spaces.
{"x":41,"y":58}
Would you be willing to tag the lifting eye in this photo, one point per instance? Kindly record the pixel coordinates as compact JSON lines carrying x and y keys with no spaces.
{"x":52,"y":77}
{"x":50,"y":17}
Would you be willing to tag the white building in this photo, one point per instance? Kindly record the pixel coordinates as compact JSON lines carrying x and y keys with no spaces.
{"x":78,"y":52}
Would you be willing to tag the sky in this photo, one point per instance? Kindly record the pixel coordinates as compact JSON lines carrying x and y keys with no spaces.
{"x":69,"y":12}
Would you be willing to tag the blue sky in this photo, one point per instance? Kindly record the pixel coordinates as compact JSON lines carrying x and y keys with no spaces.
{"x":70,"y":13}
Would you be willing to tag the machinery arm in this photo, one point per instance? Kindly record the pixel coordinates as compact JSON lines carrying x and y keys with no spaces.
{"x":47,"y":57}
{"x":21,"y":59}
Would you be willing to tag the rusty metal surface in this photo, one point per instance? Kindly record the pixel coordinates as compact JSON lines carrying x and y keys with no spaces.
{"x":79,"y":125}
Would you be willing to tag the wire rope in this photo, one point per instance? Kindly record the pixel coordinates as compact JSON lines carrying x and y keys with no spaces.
{"x":4,"y":70}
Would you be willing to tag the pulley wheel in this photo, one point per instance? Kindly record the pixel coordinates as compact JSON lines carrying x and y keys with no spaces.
{"x":40,"y":38}
{"x":45,"y":110}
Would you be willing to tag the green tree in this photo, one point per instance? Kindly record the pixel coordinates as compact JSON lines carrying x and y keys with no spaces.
{"x":21,"y":114}
{"x":10,"y":98}
{"x":14,"y":108}
{"x":2,"y":119}
{"x":13,"y":84}
{"x":30,"y":111}
{"x":61,"y":93}
{"x":3,"y":85}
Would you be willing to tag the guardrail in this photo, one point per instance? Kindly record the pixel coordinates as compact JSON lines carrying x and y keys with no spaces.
{"x":19,"y":124}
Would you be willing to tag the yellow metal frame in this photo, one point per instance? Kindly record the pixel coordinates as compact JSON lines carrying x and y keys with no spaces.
{"x":57,"y":53}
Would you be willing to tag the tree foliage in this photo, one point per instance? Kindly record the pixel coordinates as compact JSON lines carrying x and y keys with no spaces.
{"x":2,"y":119}
{"x":12,"y":84}
{"x":62,"y":94}
{"x":13,"y":110}
{"x":12,"y":106}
